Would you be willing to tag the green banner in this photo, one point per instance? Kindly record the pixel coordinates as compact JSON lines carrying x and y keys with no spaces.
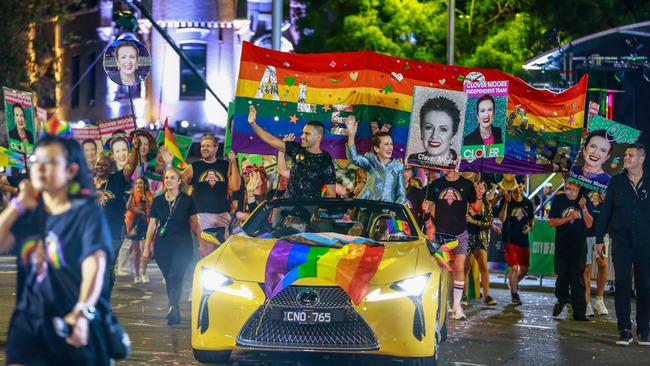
{"x":542,"y":249}
{"x":229,"y":124}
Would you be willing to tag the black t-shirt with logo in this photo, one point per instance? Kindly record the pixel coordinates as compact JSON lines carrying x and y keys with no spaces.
{"x":53,"y":271}
{"x":518,"y":215}
{"x":210,"y":183}
{"x":309,"y":172}
{"x":451,"y":199}
{"x":572,"y":234}
{"x":178,"y":230}
{"x":115,"y":190}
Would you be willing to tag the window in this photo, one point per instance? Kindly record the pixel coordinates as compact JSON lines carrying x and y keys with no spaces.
{"x":91,"y":80}
{"x":74,"y":79}
{"x":191,"y":87}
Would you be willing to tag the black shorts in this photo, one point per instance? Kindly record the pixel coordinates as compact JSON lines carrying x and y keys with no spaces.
{"x":475,"y":243}
{"x":43,"y":347}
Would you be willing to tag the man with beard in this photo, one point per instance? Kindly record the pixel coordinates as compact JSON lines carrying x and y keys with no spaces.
{"x":624,"y":215}
{"x":213,"y":181}
{"x":312,"y":168}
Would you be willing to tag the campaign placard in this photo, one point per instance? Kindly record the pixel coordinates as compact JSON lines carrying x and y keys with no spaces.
{"x":485,"y":120}
{"x":19,"y":113}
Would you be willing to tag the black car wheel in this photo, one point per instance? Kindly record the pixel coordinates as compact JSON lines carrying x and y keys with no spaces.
{"x":212,"y":356}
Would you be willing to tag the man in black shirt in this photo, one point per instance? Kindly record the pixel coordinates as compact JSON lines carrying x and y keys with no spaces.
{"x":312,"y":168}
{"x":571,"y":218}
{"x":624,"y":215}
{"x":213,"y":181}
{"x":449,"y":198}
{"x":517,"y":215}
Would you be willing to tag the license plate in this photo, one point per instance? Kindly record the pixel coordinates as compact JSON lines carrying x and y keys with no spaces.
{"x":303,"y":316}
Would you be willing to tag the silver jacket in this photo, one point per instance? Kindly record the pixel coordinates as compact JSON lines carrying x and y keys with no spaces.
{"x":386,"y":182}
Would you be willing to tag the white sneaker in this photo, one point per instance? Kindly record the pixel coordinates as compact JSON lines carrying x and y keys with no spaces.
{"x":137,"y":279}
{"x":590,"y":310}
{"x":458,"y":314}
{"x":599,"y":306}
{"x":144,"y":278}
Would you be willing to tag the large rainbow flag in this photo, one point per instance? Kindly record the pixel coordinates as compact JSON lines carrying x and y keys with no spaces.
{"x":289,"y":90}
{"x":351,"y":266}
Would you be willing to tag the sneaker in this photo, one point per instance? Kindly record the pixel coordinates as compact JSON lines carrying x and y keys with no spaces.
{"x":516,"y":299}
{"x":625,"y":338}
{"x":599,"y":306}
{"x":137,"y":279}
{"x":464,"y":302}
{"x":557,"y":309}
{"x":590,"y":311}
{"x":458,"y":315}
{"x":489,"y":300}
{"x":643,"y":340}
{"x":144,"y":278}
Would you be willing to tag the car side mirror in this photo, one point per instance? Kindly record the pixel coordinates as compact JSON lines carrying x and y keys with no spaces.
{"x":215,"y":235}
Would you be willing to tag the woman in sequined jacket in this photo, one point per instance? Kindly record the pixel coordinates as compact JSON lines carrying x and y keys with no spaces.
{"x":385,"y":180}
{"x":479,"y":226}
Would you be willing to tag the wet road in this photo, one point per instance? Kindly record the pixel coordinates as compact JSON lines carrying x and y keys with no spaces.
{"x":500,"y":335}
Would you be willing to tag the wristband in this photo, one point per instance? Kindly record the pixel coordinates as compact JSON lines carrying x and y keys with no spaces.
{"x":17,"y":205}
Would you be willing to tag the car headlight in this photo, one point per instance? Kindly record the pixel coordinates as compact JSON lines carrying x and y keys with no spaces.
{"x":212,"y":280}
{"x":413,"y":286}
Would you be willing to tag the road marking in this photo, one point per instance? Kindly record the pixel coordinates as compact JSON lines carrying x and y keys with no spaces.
{"x":466,"y":364}
{"x":533,"y":326}
{"x":136,"y":301}
{"x":7,"y":272}
{"x":145,"y":325}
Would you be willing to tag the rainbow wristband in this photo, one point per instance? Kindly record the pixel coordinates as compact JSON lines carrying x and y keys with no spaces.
{"x":18,"y":205}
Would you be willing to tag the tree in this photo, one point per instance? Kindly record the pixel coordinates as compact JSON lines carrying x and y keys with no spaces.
{"x":26,"y":36}
{"x":499,"y":34}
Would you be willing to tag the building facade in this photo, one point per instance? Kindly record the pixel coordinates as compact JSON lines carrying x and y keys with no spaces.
{"x":209,"y":32}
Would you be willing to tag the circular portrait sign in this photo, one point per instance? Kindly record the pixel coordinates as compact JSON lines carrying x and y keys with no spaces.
{"x":127,"y":62}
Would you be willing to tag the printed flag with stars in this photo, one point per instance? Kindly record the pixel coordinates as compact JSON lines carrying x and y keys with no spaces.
{"x":289,"y":90}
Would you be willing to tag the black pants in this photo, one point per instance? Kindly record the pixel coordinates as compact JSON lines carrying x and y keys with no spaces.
{"x":117,"y":244}
{"x":173,"y":260}
{"x":33,"y":342}
{"x":627,"y":259}
{"x":570,"y":282}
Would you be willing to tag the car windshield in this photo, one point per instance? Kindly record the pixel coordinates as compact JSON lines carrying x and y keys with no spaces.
{"x":377,"y":221}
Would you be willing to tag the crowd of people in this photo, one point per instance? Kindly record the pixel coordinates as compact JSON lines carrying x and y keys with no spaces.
{"x":101,"y":219}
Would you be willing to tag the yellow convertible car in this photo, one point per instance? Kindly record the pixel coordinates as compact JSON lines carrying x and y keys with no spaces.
{"x":324,"y":275}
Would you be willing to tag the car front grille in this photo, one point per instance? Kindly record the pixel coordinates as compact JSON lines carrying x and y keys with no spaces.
{"x":352,"y":334}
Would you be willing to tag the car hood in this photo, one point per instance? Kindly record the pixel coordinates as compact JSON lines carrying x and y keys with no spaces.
{"x":244,"y":258}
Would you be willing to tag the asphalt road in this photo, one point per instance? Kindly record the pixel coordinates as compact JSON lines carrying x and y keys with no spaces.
{"x":499,"y":335}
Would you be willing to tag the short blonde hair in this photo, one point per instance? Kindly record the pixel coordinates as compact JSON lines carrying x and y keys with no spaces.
{"x":182,"y":187}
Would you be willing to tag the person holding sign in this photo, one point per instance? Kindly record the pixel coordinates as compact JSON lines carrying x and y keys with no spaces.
{"x":449,"y":199}
{"x":20,"y":133}
{"x":485,"y":133}
{"x":624,"y":215}
{"x":385,"y":180}
{"x":571,"y":218}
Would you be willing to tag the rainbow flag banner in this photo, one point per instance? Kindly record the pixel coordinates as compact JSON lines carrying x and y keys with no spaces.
{"x":173,"y":147}
{"x":350,"y":266}
{"x":289,"y":90}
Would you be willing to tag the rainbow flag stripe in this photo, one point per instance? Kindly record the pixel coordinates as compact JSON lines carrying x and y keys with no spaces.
{"x":54,"y":251}
{"x":398,"y":225}
{"x":289,"y":90}
{"x":350,"y":267}
{"x":26,"y":251}
{"x":172,"y":147}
